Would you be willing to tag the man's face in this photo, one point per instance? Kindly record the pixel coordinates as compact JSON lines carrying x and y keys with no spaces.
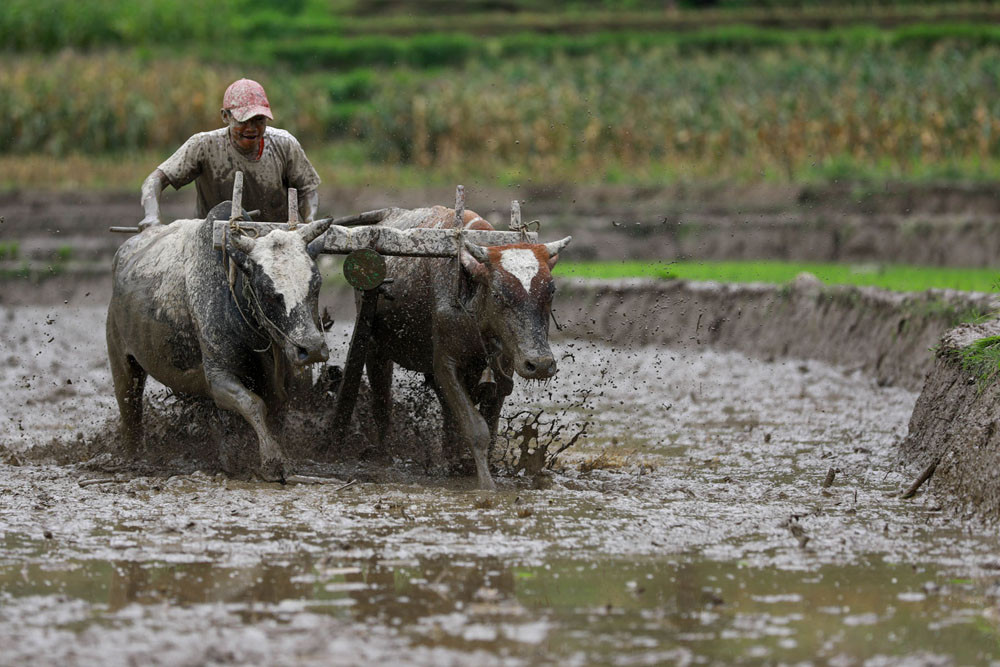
{"x":247,"y":135}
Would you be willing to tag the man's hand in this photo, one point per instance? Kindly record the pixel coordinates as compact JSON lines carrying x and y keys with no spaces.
{"x":149,"y":221}
{"x":308,"y":204}
{"x":151,"y":189}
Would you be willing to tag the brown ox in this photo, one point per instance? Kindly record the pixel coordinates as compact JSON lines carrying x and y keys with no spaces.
{"x":495,"y":316}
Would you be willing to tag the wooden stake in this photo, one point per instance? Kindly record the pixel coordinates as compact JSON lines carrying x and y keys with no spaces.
{"x":456,"y":288}
{"x":293,"y":208}
{"x":237,"y":209}
{"x":515,"y":217}
{"x":924,"y":476}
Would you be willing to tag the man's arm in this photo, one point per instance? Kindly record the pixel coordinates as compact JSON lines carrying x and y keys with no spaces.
{"x":308,"y":203}
{"x":300,"y":174}
{"x":178,"y":170}
{"x":151,"y":189}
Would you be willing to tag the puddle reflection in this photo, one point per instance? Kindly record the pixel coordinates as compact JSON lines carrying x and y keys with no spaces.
{"x":660,"y":609}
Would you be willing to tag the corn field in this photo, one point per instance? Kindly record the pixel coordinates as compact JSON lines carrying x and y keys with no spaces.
{"x":777,"y":111}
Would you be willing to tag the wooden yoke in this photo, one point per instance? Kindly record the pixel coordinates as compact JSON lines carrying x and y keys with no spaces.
{"x":359,"y":231}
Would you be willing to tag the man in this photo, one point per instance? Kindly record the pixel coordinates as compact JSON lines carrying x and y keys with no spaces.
{"x":271,"y":161}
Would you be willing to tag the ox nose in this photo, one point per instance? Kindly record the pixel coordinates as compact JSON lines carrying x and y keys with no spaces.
{"x":314,"y":355}
{"x":539,"y":368}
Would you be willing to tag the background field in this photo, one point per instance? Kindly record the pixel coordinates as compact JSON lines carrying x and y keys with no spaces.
{"x":896,"y":277}
{"x":507,"y":92}
{"x":530,"y":99}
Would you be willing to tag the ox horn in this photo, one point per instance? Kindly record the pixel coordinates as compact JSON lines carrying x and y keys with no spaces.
{"x":241,"y":242}
{"x":554,"y":247}
{"x":477,"y":251}
{"x":311,"y":231}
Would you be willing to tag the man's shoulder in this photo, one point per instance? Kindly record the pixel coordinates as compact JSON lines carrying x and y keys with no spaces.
{"x":283,"y":137}
{"x":191,"y":156}
{"x":200,"y":140}
{"x":211,"y":136}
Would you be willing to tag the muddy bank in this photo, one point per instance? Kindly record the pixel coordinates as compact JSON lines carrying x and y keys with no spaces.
{"x":934,"y":240}
{"x":954,"y":426}
{"x":939,"y":225}
{"x":886,"y":335}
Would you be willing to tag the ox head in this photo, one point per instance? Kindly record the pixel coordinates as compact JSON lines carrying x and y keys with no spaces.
{"x":518,"y":300}
{"x":284,"y":284}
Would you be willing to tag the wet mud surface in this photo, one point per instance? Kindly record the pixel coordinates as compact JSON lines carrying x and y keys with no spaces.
{"x":690,"y":524}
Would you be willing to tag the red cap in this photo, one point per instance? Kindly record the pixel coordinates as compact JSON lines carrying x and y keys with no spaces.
{"x":246,"y":99}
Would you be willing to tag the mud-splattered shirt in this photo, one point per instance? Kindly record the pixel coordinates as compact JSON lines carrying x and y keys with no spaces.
{"x":211,"y":160}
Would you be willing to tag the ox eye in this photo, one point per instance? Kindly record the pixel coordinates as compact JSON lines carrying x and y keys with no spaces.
{"x":504,"y":295}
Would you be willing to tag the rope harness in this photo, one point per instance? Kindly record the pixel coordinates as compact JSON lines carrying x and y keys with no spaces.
{"x":525,"y":227}
{"x":492,"y":358}
{"x":249,"y":293}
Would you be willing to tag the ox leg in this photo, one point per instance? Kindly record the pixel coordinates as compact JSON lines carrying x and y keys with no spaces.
{"x":490,"y":410}
{"x":379,"y":369}
{"x":230,"y":394}
{"x":450,"y":445}
{"x":471,"y":425}
{"x":129,"y":379}
{"x":493,"y":406}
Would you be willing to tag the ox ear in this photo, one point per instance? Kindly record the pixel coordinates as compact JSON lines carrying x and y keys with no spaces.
{"x":475,"y":260}
{"x":554,"y":248}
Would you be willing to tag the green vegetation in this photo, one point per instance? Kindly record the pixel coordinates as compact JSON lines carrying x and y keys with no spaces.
{"x":452,"y":49}
{"x":9,"y":250}
{"x":981,"y":360}
{"x":652,"y":117}
{"x":894,"y":277}
{"x":584,"y":91}
{"x":50,"y":25}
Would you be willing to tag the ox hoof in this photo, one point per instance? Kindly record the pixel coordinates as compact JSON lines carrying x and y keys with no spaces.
{"x":273,"y":470}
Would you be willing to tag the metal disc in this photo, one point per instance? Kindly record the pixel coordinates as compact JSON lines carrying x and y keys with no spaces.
{"x":364,"y":269}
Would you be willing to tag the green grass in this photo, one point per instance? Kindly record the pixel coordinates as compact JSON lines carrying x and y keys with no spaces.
{"x":654,"y":116}
{"x":981,"y":360}
{"x":888,"y":276}
{"x":51,"y":25}
{"x":9,"y":250}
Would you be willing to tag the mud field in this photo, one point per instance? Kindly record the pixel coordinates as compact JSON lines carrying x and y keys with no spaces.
{"x":718,"y":508}
{"x":692,"y":524}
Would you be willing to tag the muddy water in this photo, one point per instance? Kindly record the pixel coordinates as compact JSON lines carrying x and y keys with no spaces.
{"x":690,"y":525}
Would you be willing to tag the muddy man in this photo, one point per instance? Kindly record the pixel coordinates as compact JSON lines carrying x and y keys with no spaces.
{"x":271,"y":161}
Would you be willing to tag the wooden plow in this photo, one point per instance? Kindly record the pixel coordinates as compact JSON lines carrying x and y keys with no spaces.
{"x":366,"y":244}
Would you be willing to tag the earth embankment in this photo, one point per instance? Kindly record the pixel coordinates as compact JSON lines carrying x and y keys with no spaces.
{"x":882,"y":334}
{"x":954,"y":432}
{"x":886,"y":335}
{"x":945,"y":226}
